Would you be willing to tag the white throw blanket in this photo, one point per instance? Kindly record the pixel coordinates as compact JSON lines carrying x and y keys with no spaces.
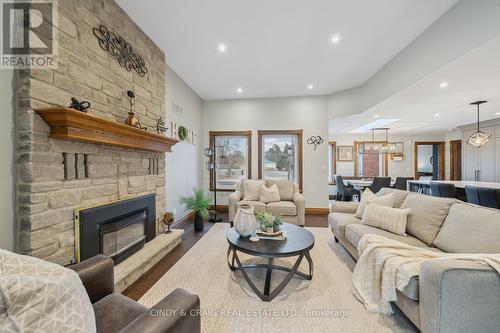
{"x":386,"y":265}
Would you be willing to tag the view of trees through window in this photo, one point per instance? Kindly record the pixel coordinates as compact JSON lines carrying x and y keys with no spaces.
{"x":280,"y":157}
{"x":232,"y":160}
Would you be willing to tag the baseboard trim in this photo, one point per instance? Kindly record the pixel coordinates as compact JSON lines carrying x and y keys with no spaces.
{"x":309,"y":211}
{"x":317,"y":211}
{"x":186,"y":219}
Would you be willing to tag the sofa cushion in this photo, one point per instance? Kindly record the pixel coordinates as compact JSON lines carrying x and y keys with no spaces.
{"x":354,"y":232}
{"x":426,"y":216}
{"x":399,"y":196}
{"x":251,"y":189}
{"x":368,"y":197}
{"x":115,"y":311}
{"x":470,"y":229}
{"x":338,"y":221}
{"x":285,"y":187}
{"x":270,"y":194}
{"x":386,"y":218}
{"x":258,"y":206}
{"x":282,"y":208}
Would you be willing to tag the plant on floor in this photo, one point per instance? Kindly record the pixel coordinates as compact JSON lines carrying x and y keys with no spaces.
{"x":199,"y":203}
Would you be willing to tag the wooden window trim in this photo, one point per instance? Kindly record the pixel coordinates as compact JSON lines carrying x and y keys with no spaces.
{"x":299,"y":133}
{"x":332,"y":146}
{"x":248,"y":134}
{"x":355,"y":155}
{"x":442,"y":158}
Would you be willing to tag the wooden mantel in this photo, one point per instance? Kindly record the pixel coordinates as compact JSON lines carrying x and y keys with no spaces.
{"x":69,"y":124}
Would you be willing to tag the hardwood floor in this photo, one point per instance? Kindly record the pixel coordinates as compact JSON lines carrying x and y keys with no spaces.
{"x":190,"y":237}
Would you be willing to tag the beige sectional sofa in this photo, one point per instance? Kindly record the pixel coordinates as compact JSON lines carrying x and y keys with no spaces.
{"x":291,"y":207}
{"x":449,"y":295}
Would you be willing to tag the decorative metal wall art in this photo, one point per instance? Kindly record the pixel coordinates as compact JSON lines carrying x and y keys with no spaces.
{"x":121,"y":50}
{"x":80,"y":106}
{"x":160,"y":126}
{"x":315,"y":140}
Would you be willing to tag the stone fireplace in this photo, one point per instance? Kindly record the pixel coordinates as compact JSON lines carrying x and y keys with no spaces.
{"x":56,"y":177}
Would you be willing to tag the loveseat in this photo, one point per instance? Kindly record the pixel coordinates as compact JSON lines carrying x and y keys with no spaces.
{"x":449,"y":295}
{"x":291,"y":206}
{"x":177,"y":312}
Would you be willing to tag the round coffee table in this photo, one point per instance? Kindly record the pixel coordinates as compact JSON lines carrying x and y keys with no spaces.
{"x":298,"y":243}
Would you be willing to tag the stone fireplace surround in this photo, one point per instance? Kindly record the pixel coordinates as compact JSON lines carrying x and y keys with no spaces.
{"x":56,"y":177}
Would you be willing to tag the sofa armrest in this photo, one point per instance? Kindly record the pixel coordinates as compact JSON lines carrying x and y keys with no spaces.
{"x":232,"y":200}
{"x":458,"y":296}
{"x":300,"y":203}
{"x":178,"y":312}
{"x":97,"y":275}
{"x":347,"y":207}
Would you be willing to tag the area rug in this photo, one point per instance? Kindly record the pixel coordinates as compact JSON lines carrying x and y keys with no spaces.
{"x":324,"y":304}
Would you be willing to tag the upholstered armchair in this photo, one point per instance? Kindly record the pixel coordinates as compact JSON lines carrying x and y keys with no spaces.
{"x":291,"y":207}
{"x":177,"y":312}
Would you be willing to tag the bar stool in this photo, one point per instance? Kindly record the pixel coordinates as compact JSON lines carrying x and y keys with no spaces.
{"x":483,"y":196}
{"x":443,"y":190}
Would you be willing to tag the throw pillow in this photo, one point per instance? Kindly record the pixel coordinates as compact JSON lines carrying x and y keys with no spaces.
{"x":386,"y":218}
{"x":369,"y":197}
{"x":39,"y":296}
{"x":252,"y":189}
{"x":271,"y":194}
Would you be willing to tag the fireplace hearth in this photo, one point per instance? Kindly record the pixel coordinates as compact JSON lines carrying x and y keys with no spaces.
{"x":116,"y":230}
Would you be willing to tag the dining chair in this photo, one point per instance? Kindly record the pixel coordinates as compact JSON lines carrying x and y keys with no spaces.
{"x":422,"y":188}
{"x":486,"y":197}
{"x":379,"y":183}
{"x":345,"y":193}
{"x":401,"y":183}
{"x":443,"y":190}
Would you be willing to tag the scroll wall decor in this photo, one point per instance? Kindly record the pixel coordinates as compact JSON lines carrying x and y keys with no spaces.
{"x":315,"y":140}
{"x":121,"y":50}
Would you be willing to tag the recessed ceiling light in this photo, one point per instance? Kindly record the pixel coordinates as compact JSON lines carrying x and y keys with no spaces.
{"x":376,"y":116}
{"x":436,"y":114}
{"x":443,"y":85}
{"x":335,"y":39}
{"x":239,"y":90}
{"x":497,"y":113}
{"x":222,"y":48}
{"x":310,"y":86}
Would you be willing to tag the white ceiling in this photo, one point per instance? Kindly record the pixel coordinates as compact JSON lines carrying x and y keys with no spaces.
{"x":474,"y":76}
{"x":278,"y":47}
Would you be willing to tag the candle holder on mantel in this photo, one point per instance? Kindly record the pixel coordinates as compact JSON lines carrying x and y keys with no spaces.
{"x":168,"y":220}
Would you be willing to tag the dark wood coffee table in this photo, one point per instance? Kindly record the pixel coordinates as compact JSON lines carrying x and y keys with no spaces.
{"x":298,"y":243}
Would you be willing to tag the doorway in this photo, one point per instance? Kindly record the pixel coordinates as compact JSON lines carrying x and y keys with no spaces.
{"x":456,"y":160}
{"x":430,"y":160}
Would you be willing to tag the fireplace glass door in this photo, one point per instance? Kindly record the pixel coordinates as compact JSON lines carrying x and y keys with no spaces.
{"x":122,"y":235}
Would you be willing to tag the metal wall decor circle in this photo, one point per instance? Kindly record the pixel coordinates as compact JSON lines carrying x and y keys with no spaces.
{"x":120,"y":49}
{"x":315,"y":140}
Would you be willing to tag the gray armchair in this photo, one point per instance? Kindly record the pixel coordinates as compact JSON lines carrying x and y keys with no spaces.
{"x":177,"y":312}
{"x":291,"y":208}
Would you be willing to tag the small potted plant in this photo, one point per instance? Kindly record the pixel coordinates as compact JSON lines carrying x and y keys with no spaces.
{"x":266,"y":221}
{"x":277,"y":221}
{"x":199,"y":203}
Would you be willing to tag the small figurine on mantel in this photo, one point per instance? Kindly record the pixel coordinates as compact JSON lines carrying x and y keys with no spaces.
{"x":132,"y":119}
{"x":168,"y":219}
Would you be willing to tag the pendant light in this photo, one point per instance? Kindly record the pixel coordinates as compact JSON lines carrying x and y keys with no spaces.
{"x":478,"y":138}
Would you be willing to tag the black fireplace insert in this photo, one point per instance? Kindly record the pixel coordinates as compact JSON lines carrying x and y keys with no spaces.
{"x":117,"y":230}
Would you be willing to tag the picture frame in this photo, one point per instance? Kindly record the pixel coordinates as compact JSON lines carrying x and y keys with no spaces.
{"x":345,"y":153}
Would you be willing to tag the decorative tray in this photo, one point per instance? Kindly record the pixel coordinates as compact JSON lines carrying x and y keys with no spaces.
{"x":278,"y":235}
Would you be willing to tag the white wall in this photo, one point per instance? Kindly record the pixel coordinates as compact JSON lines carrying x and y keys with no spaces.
{"x":6,"y":167}
{"x":307,"y":113}
{"x":184,"y":163}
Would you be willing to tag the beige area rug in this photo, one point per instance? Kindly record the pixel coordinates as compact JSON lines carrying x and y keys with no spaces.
{"x":324,"y":304}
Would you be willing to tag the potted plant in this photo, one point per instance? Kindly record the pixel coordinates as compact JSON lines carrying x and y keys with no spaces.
{"x":268,"y":222}
{"x":199,"y":203}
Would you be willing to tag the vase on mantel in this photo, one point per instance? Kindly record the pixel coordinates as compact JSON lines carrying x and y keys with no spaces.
{"x":244,"y":221}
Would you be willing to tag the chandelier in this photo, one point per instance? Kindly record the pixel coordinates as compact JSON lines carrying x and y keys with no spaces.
{"x":385,"y":147}
{"x":478,"y":138}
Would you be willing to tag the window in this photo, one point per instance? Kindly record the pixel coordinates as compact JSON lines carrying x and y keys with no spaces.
{"x":233,"y":158}
{"x":332,"y":161}
{"x":369,"y":165}
{"x":280,"y":155}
